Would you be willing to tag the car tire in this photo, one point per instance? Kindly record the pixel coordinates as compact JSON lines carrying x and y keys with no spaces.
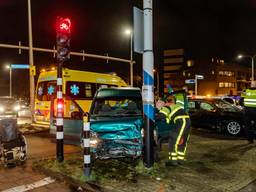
{"x":233,"y":127}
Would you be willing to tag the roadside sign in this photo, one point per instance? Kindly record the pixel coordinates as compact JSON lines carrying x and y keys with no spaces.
{"x":199,"y":77}
{"x":190,"y":81}
{"x":19,"y":66}
{"x":138,"y":30}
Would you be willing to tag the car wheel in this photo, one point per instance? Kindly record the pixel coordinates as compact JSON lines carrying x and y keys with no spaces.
{"x":233,"y":127}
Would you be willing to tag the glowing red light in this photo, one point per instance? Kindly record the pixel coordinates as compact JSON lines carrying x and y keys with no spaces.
{"x":60,"y":106}
{"x":64,"y":25}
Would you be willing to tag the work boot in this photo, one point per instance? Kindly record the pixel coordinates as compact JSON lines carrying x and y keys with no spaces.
{"x":171,"y":163}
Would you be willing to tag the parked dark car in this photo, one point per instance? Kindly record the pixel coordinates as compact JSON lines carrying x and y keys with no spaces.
{"x":216,"y":114}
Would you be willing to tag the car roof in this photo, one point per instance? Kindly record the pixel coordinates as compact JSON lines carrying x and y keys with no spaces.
{"x":118,"y":91}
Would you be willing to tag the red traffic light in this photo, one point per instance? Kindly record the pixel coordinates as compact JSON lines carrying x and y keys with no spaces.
{"x":64,"y":25}
{"x":60,"y":106}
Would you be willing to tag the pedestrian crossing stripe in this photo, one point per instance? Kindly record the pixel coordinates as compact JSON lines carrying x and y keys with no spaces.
{"x":37,"y":184}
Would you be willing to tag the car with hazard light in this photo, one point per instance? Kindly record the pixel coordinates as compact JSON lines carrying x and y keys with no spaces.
{"x":9,"y":107}
{"x":216,"y":114}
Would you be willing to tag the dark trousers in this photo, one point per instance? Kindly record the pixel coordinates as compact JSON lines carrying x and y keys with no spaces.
{"x":250,"y":123}
{"x":178,"y":139}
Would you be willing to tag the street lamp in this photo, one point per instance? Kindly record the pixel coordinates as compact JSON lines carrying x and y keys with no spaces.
{"x":129,"y":32}
{"x":8,"y":66}
{"x":31,"y":59}
{"x":252,"y":61}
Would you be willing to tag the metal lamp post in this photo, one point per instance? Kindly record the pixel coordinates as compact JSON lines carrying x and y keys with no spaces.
{"x":252,"y":63}
{"x":129,"y":32}
{"x":31,"y":59}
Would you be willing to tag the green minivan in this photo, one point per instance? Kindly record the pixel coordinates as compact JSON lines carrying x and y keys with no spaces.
{"x":116,"y":124}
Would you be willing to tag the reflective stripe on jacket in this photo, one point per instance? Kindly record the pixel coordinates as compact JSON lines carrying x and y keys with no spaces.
{"x":250,"y":98}
{"x":172,"y":112}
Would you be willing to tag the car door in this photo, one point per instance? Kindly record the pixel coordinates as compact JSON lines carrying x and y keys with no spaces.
{"x":194,"y":112}
{"x":208,"y":114}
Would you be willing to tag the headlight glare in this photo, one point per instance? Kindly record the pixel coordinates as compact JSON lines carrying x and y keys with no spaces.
{"x":94,"y":140}
{"x":1,"y":109}
{"x":16,"y":108}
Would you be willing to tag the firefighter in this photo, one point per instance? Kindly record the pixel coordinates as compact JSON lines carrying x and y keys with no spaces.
{"x":179,"y":135}
{"x":250,"y":112}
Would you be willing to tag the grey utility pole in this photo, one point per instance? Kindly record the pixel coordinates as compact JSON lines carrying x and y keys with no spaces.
{"x":148,"y":83}
{"x":31,"y":60}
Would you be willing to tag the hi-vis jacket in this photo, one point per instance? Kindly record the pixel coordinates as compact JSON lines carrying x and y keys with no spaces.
{"x":250,"y":98}
{"x":173,"y":112}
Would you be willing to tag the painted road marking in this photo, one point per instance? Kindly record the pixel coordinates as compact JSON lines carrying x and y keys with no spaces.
{"x":31,"y":186}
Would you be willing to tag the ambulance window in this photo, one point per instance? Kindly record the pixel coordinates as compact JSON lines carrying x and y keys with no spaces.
{"x":46,"y":90}
{"x":80,"y":90}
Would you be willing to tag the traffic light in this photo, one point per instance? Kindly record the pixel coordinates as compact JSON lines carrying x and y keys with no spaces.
{"x":60,"y":106}
{"x":63,"y":31}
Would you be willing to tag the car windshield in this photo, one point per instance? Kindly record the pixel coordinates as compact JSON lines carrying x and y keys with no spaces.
{"x":226,"y":106}
{"x":117,"y":106}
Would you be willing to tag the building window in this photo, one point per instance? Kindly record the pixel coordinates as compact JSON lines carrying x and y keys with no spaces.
{"x":221,"y":84}
{"x":226,"y":73}
{"x":213,"y":72}
{"x":190,"y":63}
{"x":226,"y":84}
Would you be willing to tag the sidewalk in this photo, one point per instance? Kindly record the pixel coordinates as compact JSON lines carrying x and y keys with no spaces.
{"x":213,"y":165}
{"x":23,"y":178}
{"x":30,"y":129}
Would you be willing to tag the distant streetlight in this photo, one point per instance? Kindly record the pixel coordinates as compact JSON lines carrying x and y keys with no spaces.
{"x":8,"y":66}
{"x":252,"y":62}
{"x":129,"y":32}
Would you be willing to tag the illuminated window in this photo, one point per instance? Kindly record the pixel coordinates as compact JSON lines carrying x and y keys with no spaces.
{"x":190,"y":63}
{"x":222,"y":61}
{"x":221,"y":84}
{"x":184,"y":73}
{"x":226,"y":73}
{"x":213,"y":72}
{"x":221,"y":72}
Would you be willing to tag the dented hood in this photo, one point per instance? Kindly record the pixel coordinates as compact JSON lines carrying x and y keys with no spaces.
{"x":118,"y":128}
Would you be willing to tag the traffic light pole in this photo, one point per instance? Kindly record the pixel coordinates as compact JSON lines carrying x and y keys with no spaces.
{"x":60,"y":114}
{"x":148,"y":84}
{"x":63,"y":50}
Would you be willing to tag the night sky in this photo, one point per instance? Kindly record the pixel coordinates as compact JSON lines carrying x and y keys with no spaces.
{"x":216,"y":28}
